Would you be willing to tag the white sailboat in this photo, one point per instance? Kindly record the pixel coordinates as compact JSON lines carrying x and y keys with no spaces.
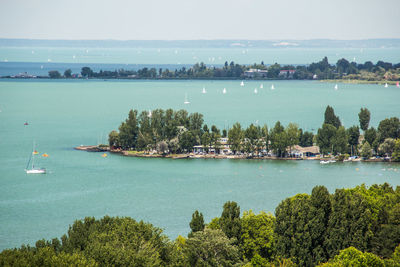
{"x":386,"y":85}
{"x":272,"y":87}
{"x":150,"y":114}
{"x":255,"y":90}
{"x":261,"y":86}
{"x":204,"y":90}
{"x":224,"y":91}
{"x":30,"y":168}
{"x":186,"y":100}
{"x":242,"y":83}
{"x":336,"y":86}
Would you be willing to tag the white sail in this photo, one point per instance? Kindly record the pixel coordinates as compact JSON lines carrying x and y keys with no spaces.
{"x":255,"y":90}
{"x":204,"y":90}
{"x":272,"y":87}
{"x":30,"y":167}
{"x":386,"y":85}
{"x":261,"y":86}
{"x":242,"y":83}
{"x":336,"y":86}
{"x":186,"y":100}
{"x":224,"y":91}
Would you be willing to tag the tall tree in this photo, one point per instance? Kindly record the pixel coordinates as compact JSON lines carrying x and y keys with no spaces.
{"x":331,"y":118}
{"x":325,"y":138}
{"x":293,"y":134}
{"x":279,"y":139}
{"x":353,"y":134}
{"x":364,"y":116}
{"x":235,"y":135}
{"x":230,"y":220}
{"x":197,"y":223}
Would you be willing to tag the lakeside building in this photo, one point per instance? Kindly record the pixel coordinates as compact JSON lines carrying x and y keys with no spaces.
{"x":300,"y":152}
{"x":255,"y":73}
{"x":286,"y":73}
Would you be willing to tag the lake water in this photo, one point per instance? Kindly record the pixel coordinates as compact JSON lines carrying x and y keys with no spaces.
{"x":64,"y":114}
{"x":210,"y":56}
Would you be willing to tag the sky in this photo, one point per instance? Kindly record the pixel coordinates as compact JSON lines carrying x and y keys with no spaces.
{"x":199,"y":19}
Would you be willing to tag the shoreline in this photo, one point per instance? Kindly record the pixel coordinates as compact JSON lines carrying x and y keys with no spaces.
{"x":137,"y":154}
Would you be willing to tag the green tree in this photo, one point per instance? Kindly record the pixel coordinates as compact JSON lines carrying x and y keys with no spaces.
{"x":364,"y":117}
{"x":68,"y":73}
{"x":389,"y":128}
{"x":257,"y":236}
{"x":210,"y":248}
{"x":331,"y":118}
{"x":230,"y":220}
{"x":387,"y":147}
{"x":396,"y":151}
{"x":54,"y":74}
{"x":186,"y":141}
{"x":279,"y":139}
{"x":128,"y":131}
{"x":235,"y":135}
{"x":87,"y":72}
{"x":339,"y":141}
{"x":293,"y":135}
{"x":206,"y":141}
{"x":353,"y":134}
{"x":197,"y":223}
{"x":306,"y":138}
{"x":370,"y":135}
{"x":325,"y":138}
{"x":252,"y":139}
{"x":113,"y":139}
{"x":354,"y":257}
{"x":366,"y":150}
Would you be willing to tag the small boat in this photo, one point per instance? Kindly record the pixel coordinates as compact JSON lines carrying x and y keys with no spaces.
{"x":386,"y":85}
{"x":26,"y":123}
{"x":272,"y":87}
{"x":186,"y":100}
{"x":204,"y":90}
{"x":224,"y":91}
{"x":255,"y":90}
{"x":33,"y":169}
{"x":397,"y":84}
{"x":336,"y":86}
{"x":324,"y":162}
{"x":242,"y":83}
{"x":261,"y":86}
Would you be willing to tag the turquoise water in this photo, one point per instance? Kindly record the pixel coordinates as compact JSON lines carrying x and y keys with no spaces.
{"x":193,"y":55}
{"x":64,"y":114}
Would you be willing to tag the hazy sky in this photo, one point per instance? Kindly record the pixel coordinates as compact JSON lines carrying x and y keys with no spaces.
{"x":199,"y":19}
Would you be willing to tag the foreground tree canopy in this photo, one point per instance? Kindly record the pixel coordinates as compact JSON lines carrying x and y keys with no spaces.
{"x":351,"y":227}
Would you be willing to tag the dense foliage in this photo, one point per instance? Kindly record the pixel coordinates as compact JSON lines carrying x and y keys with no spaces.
{"x":343,"y":69}
{"x":351,"y":227}
{"x":169,"y":131}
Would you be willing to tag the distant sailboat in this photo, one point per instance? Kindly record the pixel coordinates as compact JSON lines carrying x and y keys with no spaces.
{"x":30,"y":168}
{"x":204,"y":90}
{"x":261,"y":86}
{"x":386,"y":85}
{"x":272,"y":87}
{"x":242,"y":83}
{"x":397,"y":84}
{"x":255,"y":90}
{"x":224,"y":91}
{"x":150,"y":114}
{"x":336,"y":86}
{"x":186,"y":100}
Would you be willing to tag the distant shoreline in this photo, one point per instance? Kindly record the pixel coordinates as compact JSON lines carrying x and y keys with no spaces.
{"x":142,"y":154}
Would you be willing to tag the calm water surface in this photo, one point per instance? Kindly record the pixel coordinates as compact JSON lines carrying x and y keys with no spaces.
{"x":64,"y":114}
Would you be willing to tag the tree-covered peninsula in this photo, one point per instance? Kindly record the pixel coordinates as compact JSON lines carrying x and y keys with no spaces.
{"x":350,"y":227}
{"x":322,"y":70}
{"x":166,"y":132}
